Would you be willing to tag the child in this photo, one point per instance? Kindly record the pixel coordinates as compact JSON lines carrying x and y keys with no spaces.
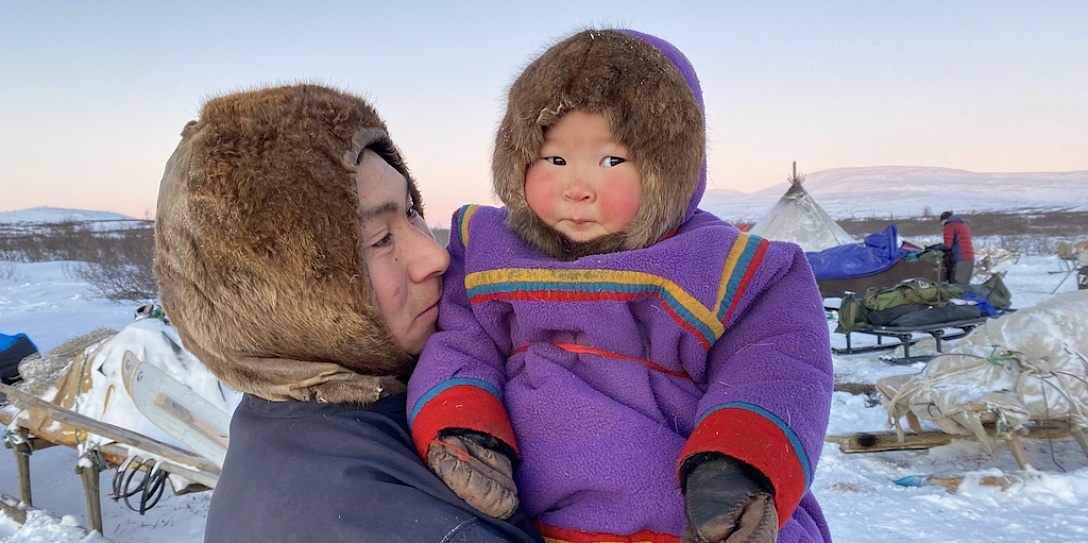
{"x":652,"y":369}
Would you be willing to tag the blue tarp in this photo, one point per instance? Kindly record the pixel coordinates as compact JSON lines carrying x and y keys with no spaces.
{"x":880,"y":252}
{"x":12,"y":350}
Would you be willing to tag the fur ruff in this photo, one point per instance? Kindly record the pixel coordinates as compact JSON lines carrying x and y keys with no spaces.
{"x":647,"y":91}
{"x":258,"y":256}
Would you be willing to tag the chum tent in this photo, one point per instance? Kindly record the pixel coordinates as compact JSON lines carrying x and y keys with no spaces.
{"x":799,"y":219}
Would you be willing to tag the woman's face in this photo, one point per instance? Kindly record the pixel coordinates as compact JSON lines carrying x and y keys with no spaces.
{"x":404,"y":261}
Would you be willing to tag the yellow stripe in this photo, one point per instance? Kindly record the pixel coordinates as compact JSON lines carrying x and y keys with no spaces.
{"x":466,"y":214}
{"x":520,"y":275}
{"x":730,"y":267}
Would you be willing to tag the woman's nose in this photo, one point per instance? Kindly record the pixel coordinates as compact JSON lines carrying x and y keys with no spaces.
{"x":428,"y":258}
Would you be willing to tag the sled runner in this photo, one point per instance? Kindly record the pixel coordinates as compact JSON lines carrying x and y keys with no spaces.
{"x":906,"y":337}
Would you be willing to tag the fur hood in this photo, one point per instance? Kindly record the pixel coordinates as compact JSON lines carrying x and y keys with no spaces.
{"x":650,"y":95}
{"x":258,"y":257}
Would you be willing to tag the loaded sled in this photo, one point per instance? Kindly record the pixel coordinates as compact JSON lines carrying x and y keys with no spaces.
{"x":132,"y":400}
{"x":918,"y":307}
{"x":1023,"y":375}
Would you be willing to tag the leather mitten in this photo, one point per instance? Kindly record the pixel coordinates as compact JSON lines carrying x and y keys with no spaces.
{"x":473,"y":466}
{"x":727,"y":501}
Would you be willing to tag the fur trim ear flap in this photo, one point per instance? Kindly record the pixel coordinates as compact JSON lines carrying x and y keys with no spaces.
{"x":258,"y":256}
{"x":648,"y":92}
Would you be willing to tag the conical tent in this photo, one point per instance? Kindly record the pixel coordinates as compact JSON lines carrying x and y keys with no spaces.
{"x":799,"y":219}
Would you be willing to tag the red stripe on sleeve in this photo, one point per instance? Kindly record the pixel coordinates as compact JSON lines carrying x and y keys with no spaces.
{"x":462,"y":406}
{"x":759,"y":442}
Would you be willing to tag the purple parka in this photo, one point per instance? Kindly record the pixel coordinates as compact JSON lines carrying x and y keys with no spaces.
{"x":606,"y":372}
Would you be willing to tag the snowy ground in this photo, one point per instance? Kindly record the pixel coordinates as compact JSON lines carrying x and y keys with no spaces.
{"x":856,"y":491}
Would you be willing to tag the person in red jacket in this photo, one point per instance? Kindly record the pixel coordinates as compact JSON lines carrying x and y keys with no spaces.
{"x":957,"y":243}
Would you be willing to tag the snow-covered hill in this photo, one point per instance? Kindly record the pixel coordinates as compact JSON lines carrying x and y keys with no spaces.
{"x":43,"y":214}
{"x":907,"y":191}
{"x":879,"y":191}
{"x":39,"y":218}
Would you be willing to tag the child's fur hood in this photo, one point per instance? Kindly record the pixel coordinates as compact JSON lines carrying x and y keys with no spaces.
{"x":258,"y":256}
{"x":648,"y":92}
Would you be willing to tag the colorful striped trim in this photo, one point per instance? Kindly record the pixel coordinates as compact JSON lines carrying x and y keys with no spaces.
{"x":582,"y":349}
{"x":777,"y":453}
{"x":463,"y":216}
{"x":746,"y":254}
{"x":448,"y":384}
{"x":552,"y":534}
{"x":795,"y":442}
{"x":460,"y":403}
{"x":595,"y":285}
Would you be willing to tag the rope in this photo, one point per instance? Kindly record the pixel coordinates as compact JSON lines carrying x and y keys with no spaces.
{"x":14,"y":439}
{"x":1050,"y":438}
{"x":95,"y":455}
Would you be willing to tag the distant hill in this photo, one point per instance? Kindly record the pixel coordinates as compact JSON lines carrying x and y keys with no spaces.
{"x":56,"y":214}
{"x":845,"y":193}
{"x":905,"y":191}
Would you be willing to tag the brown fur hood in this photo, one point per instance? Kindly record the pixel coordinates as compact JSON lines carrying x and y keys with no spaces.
{"x":651,"y":97}
{"x":258,"y":256}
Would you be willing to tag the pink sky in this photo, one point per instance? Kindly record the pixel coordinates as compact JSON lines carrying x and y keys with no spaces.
{"x":94,"y":98}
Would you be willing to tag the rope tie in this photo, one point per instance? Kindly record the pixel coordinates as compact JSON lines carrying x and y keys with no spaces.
{"x":17,"y":443}
{"x":94,"y":454}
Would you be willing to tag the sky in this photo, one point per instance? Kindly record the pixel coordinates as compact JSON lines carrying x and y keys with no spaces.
{"x":93,"y":95}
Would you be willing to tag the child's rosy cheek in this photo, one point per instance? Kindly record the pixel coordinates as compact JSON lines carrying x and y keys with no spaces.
{"x":622,"y":206}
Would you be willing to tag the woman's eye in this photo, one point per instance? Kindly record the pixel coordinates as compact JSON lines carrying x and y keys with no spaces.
{"x":385,"y":240}
{"x":412,"y":213}
{"x":556,"y":160}
{"x":610,"y":161}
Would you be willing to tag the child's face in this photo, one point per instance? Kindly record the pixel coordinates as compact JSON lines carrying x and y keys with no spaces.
{"x":584,"y":183}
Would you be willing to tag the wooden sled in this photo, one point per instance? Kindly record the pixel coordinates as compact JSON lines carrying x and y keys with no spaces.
{"x":916,"y":438}
{"x":43,"y":424}
{"x":865,"y":442}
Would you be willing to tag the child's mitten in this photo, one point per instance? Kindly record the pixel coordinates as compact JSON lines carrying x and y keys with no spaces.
{"x":727,"y":501}
{"x":473,"y":466}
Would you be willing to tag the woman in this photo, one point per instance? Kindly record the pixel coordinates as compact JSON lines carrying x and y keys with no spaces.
{"x":292,"y":256}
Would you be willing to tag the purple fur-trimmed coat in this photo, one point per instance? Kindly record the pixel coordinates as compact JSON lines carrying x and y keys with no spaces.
{"x":606,"y":372}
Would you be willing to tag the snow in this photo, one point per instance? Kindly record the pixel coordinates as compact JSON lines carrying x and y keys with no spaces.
{"x":861,"y":502}
{"x":865,"y":193}
{"x":37,"y":218}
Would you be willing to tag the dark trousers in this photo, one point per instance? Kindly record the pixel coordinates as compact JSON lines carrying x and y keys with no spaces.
{"x":961,"y":272}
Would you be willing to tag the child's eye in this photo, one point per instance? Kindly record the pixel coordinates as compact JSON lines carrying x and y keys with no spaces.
{"x":556,"y":160}
{"x":610,"y":161}
{"x":412,"y":213}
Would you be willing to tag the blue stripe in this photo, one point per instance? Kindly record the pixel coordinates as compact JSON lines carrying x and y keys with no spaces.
{"x":446,"y":385}
{"x":461,"y":221}
{"x":735,"y":278}
{"x":792,"y":437}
